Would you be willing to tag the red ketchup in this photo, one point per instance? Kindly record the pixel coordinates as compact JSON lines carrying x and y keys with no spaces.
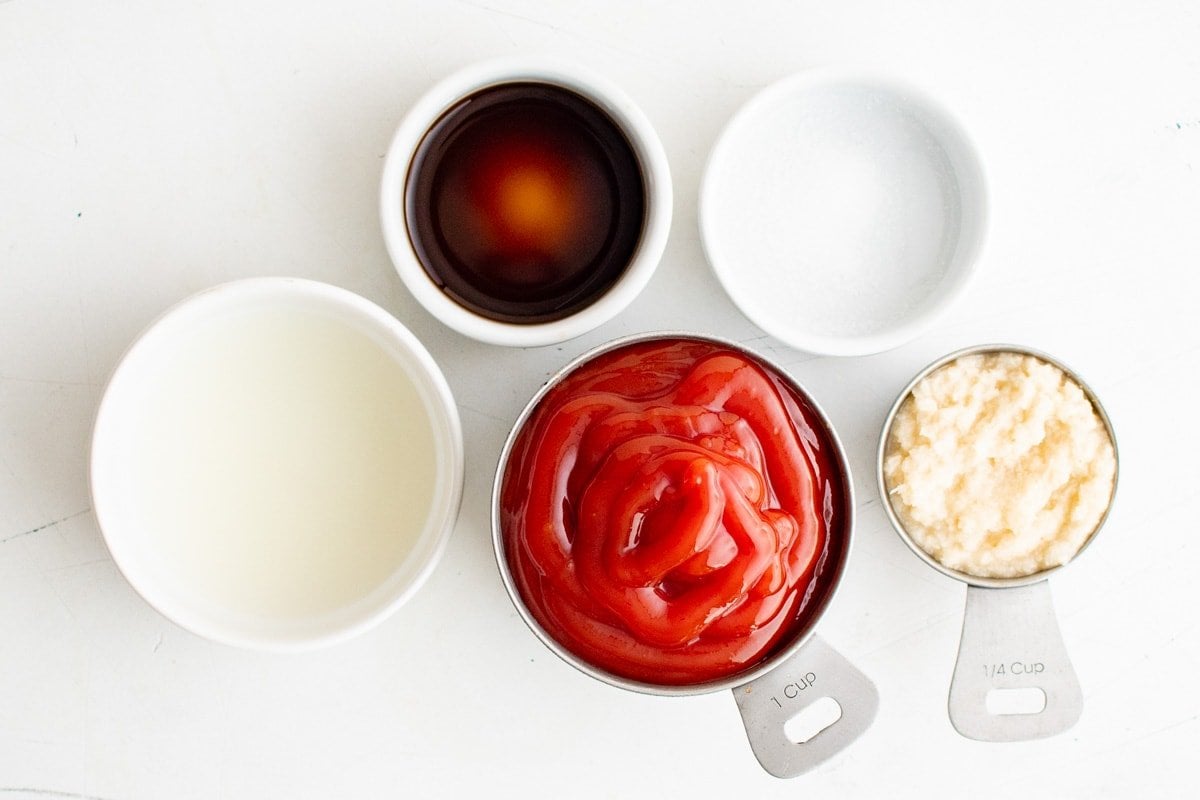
{"x":667,"y":511}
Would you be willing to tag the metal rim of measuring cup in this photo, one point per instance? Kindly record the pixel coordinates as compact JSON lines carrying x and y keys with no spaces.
{"x":898,"y":525}
{"x":778,"y":658}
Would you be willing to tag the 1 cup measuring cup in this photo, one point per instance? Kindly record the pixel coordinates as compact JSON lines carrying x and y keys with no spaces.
{"x":672,"y":515}
{"x":1011,"y":648}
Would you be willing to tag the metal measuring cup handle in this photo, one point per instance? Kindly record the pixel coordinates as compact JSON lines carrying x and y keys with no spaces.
{"x":1010,"y":640}
{"x":816,"y":671}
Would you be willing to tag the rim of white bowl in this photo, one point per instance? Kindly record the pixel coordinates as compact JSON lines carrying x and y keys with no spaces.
{"x":410,"y":355}
{"x":968,"y":168}
{"x":608,"y":96}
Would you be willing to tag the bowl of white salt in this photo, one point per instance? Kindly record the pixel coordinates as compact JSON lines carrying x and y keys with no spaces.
{"x":843,"y":211}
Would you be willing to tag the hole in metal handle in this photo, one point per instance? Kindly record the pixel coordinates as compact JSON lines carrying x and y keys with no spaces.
{"x":1007,"y":702}
{"x":812,"y":720}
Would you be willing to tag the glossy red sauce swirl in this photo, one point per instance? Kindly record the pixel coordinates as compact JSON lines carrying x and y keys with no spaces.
{"x":667,"y":511}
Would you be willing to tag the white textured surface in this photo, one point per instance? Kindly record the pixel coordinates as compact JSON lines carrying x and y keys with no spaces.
{"x":151,"y":149}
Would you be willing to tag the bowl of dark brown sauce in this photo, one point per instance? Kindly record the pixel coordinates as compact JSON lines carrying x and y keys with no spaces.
{"x":525,"y":201}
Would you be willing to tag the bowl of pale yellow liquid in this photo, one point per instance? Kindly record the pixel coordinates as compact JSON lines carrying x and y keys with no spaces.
{"x":276,"y":464}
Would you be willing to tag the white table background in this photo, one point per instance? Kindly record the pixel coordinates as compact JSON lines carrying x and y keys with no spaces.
{"x":151,"y":149}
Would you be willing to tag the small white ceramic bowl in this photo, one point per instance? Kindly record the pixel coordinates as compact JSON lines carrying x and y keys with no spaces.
{"x":122,"y":493}
{"x":646,"y":145}
{"x":842,"y":211}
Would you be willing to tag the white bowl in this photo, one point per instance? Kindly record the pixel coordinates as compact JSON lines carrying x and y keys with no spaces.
{"x":646,"y":146}
{"x":843,"y":212}
{"x":146,"y":534}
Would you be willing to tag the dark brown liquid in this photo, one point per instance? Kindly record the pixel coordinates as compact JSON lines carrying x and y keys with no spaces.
{"x":525,"y":202}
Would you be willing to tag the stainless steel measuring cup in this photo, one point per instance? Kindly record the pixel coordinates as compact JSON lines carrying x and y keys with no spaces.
{"x":1010,"y":635}
{"x":803,"y":671}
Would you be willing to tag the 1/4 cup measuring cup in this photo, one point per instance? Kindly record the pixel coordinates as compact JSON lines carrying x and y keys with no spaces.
{"x":1011,"y":643}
